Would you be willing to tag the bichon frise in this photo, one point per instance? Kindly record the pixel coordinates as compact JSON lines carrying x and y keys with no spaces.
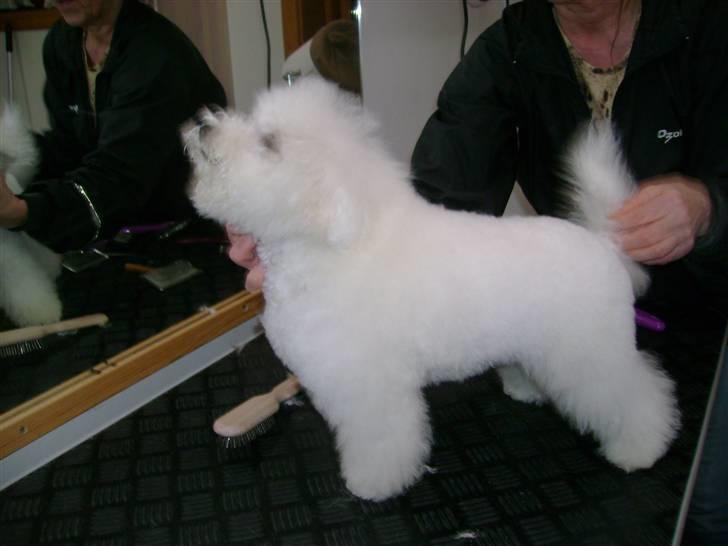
{"x":372,"y":292}
{"x":28,"y":292}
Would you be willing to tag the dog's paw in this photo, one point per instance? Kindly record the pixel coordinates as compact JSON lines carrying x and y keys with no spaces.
{"x":386,"y":461}
{"x":381,"y":485}
{"x":638,"y":447}
{"x":525,"y":393}
{"x":634,"y":455}
{"x":518,"y":386}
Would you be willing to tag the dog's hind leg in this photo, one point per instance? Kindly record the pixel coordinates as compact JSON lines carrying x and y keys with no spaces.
{"x":383,"y":436}
{"x":649,"y":413}
{"x":620,"y":396}
{"x":519,"y":386}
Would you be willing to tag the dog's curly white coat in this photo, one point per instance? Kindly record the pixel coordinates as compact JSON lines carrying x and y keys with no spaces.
{"x":28,"y":292}
{"x":372,"y":293}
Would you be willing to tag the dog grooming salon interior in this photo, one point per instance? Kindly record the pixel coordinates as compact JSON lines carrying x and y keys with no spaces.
{"x":153,"y":410}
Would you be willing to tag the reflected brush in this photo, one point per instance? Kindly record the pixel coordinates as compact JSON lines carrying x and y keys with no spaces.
{"x":24,"y":340}
{"x":254,"y":417}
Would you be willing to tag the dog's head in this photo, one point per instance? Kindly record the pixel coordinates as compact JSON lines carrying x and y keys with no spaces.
{"x":295,"y":167}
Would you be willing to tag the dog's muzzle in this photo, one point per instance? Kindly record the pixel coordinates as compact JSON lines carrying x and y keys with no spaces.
{"x":198,"y":129}
{"x":206,"y":118}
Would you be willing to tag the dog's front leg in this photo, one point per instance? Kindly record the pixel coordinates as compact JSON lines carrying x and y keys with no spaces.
{"x":519,"y":386}
{"x":28,"y":293}
{"x":383,"y":436}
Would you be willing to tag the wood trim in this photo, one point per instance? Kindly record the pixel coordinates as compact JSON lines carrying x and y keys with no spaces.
{"x":28,"y":19}
{"x":302,"y":18}
{"x":32,"y":419}
{"x":292,"y":26}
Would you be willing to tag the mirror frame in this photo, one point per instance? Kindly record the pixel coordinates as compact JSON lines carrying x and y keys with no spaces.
{"x":56,"y":406}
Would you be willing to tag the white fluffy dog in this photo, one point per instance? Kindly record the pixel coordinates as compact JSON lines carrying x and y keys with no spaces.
{"x":372,"y":292}
{"x":28,"y":270}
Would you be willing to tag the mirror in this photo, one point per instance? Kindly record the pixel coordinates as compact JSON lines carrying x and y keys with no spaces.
{"x":110,"y":277}
{"x":118,"y":287}
{"x":148,"y":328}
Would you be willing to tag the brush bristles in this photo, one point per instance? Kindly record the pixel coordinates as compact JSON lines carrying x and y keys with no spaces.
{"x":20,"y":349}
{"x":232,"y":442}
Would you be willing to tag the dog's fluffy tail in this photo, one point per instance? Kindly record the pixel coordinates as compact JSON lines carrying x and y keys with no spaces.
{"x":18,"y":151}
{"x":600,"y":183}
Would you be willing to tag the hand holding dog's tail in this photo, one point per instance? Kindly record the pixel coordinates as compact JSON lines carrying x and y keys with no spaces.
{"x":600,"y":184}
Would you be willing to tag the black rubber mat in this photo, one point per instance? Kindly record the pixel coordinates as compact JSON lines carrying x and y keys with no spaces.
{"x":503,"y":472}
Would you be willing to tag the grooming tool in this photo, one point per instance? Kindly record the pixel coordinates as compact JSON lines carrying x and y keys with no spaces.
{"x":648,"y":321}
{"x":24,"y":340}
{"x":137,"y":268}
{"x":170,"y":275}
{"x":125,"y":234}
{"x":254,"y":417}
{"x":80,"y":260}
{"x":174,"y":228}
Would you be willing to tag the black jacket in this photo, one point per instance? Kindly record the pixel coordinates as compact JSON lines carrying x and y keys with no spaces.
{"x":125,"y":164}
{"x":510,"y":107}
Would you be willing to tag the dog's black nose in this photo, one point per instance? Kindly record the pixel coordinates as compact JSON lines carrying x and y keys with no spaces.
{"x":201,"y":120}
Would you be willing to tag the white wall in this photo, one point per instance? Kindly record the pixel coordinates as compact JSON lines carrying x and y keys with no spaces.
{"x":247,"y":47}
{"x":247,"y":55}
{"x":28,"y":75}
{"x":408,"y":48}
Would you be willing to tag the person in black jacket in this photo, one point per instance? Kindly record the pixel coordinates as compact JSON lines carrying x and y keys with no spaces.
{"x":120,"y":81}
{"x":657,"y":69}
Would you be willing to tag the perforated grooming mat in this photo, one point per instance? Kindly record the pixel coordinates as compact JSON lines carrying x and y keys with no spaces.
{"x":501,"y":472}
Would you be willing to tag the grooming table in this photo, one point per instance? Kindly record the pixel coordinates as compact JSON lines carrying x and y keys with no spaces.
{"x":501,"y":472}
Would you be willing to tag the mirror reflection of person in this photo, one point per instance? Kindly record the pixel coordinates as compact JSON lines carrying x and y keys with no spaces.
{"x":120,"y":81}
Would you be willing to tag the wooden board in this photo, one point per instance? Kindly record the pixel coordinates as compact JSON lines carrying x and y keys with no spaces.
{"x":28,"y":19}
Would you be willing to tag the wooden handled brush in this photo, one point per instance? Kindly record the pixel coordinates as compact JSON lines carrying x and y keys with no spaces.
{"x":254,"y":416}
{"x":20,"y":336}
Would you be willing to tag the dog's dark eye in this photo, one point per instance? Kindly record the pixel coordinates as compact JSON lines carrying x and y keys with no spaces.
{"x":270,"y":142}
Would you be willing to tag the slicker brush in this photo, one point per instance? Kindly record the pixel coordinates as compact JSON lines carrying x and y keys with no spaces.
{"x":254,"y":417}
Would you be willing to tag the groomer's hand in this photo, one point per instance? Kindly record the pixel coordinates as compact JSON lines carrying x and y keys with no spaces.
{"x":242,"y":252}
{"x":661,"y":222}
{"x":13,"y":210}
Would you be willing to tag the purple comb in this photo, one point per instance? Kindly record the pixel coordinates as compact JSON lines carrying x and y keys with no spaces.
{"x":651,"y":322}
{"x":126,"y":233}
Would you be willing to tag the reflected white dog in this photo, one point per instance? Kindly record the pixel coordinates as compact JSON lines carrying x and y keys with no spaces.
{"x":28,"y":270}
{"x":372,"y":293}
